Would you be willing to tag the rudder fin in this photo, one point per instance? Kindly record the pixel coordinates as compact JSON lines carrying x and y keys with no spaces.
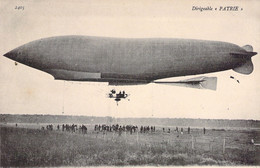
{"x":246,"y":68}
{"x":248,"y":48}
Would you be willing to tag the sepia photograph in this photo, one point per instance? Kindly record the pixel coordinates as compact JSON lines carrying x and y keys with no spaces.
{"x":119,"y":83}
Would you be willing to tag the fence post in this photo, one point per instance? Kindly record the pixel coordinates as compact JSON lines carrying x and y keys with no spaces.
{"x":192,"y":143}
{"x":137,"y":137}
{"x":224,"y":145}
{"x":125,"y":137}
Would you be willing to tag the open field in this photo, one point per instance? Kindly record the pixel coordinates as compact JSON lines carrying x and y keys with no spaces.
{"x":36,"y":147}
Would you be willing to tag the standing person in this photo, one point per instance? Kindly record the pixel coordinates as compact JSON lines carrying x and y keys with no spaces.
{"x":120,"y":130}
{"x":204,"y":130}
{"x":131,"y":130}
{"x":188,"y":130}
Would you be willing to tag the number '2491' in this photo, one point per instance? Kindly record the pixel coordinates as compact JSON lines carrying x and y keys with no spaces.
{"x":19,"y":7}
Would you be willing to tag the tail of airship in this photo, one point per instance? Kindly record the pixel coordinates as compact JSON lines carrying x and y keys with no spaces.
{"x":246,"y":66}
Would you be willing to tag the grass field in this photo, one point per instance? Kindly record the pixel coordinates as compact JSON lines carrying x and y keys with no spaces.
{"x":35,"y":147}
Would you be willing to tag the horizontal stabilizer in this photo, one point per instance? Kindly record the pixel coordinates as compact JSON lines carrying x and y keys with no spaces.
{"x":246,"y":67}
{"x":199,"y":83}
{"x":245,"y":55}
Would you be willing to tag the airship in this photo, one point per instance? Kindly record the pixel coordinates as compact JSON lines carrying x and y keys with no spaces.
{"x":132,"y":61}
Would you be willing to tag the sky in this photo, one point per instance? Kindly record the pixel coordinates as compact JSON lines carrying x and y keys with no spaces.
{"x":24,"y":90}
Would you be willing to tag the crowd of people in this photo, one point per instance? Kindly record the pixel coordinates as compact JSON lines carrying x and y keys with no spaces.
{"x":124,"y":128}
{"x":113,"y":128}
{"x":68,"y":128}
{"x":48,"y":127}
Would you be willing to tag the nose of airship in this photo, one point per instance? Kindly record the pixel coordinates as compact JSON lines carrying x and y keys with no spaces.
{"x":25,"y":55}
{"x":12,"y":54}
